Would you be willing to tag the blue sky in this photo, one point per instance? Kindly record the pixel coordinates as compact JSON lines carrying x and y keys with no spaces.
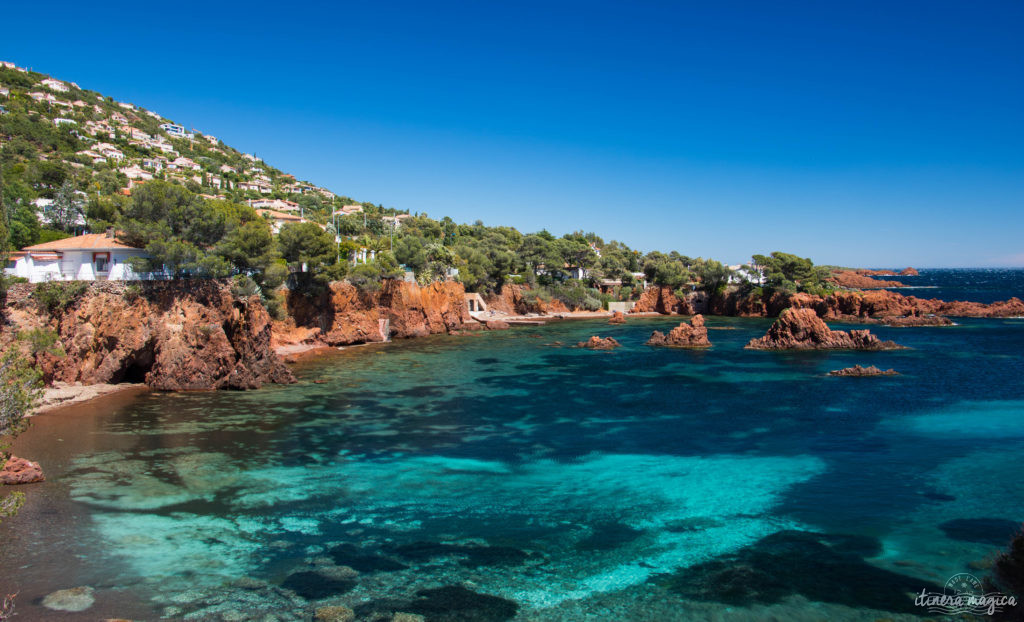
{"x":868,"y":133}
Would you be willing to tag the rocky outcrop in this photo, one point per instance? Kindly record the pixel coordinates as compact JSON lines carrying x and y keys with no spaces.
{"x":345,"y":314}
{"x":802,"y":329}
{"x":908,"y":271}
{"x":598,"y":343}
{"x":617,"y":318}
{"x":692,"y":335}
{"x":858,"y":371}
{"x":662,"y":300}
{"x":20,"y":471}
{"x":862,"y":306}
{"x":496,"y":324}
{"x":175,"y":335}
{"x":916,"y":320}
{"x":857,"y":280}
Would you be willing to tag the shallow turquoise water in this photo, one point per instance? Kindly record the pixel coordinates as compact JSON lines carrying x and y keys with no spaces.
{"x":569,"y":484}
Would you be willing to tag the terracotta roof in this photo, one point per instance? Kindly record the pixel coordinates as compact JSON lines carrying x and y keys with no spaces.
{"x":89,"y":241}
{"x":277,"y":215}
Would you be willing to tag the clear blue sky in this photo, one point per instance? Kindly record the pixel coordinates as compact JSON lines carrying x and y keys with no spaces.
{"x":858,"y":133}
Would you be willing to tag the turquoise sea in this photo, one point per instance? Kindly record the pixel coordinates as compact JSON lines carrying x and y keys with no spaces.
{"x":507,"y":476}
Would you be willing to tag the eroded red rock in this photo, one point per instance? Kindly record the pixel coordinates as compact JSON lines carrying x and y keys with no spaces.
{"x":802,"y":329}
{"x":687,"y":335}
{"x":598,"y":343}
{"x":617,"y":318}
{"x":20,"y":471}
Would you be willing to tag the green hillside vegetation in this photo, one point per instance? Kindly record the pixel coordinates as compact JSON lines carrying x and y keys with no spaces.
{"x":195,"y":222}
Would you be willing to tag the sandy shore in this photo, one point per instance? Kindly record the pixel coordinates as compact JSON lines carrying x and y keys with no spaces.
{"x":63,"y":394}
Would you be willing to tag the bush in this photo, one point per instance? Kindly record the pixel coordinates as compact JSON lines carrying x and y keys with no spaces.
{"x":56,"y":296}
{"x":242,"y":287}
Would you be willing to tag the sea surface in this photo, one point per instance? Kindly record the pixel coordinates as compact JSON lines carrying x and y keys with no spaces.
{"x":508,"y":476}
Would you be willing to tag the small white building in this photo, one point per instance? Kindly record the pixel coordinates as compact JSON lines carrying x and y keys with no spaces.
{"x":89,"y":257}
{"x":55,"y":85}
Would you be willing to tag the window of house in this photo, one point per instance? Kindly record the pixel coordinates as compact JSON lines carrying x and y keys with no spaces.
{"x":100,"y":261}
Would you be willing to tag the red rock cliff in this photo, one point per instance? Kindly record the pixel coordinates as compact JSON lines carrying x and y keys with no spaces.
{"x":175,"y":335}
{"x":346,"y":315}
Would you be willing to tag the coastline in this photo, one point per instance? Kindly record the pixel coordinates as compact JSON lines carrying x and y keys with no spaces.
{"x":64,"y":394}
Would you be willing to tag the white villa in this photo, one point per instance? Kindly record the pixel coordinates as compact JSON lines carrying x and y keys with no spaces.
{"x":89,"y":257}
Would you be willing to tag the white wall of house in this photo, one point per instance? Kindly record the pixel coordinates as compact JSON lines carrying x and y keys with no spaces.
{"x":77,"y":266}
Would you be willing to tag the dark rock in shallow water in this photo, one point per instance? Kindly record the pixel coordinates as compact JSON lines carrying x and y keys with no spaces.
{"x":820,"y":567}
{"x":357,"y":559}
{"x":995,"y":531}
{"x":607,"y":536}
{"x":451,"y":603}
{"x":454,"y":603}
{"x":313,"y":585}
{"x":472,"y":556}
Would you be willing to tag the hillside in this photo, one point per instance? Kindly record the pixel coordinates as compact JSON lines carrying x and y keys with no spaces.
{"x":74,"y":160}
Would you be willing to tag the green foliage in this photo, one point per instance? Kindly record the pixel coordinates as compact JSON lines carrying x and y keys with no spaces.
{"x":42,"y":341}
{"x":242,"y":287}
{"x":20,"y":388}
{"x":713,"y":275}
{"x":789,"y":273}
{"x":55,"y":296}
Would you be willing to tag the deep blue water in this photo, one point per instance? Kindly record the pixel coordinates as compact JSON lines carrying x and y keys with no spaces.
{"x":505,"y":475}
{"x":987,"y":285}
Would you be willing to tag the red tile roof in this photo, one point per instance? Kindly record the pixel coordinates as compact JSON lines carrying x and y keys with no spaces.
{"x":89,"y":241}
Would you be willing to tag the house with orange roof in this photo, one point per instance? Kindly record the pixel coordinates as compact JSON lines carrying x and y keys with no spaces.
{"x":88,"y":257}
{"x":279,"y":219}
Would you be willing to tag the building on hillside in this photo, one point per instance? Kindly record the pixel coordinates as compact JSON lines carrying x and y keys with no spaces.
{"x":274,"y":204}
{"x":55,"y":85}
{"x":394,"y":221}
{"x":109,"y":151}
{"x":137,"y":134}
{"x":349,"y":209}
{"x":97,"y":158}
{"x":746,"y":273}
{"x":62,"y":121}
{"x":42,"y":97}
{"x":257,"y":185}
{"x":4,"y":91}
{"x":177,"y":131}
{"x":89,"y":257}
{"x":224,"y":168}
{"x":134,"y":172}
{"x":279,"y":219}
{"x":362,"y":255}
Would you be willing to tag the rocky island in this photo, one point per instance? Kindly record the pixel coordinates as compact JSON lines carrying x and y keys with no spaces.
{"x":692,"y":335}
{"x":802,"y":329}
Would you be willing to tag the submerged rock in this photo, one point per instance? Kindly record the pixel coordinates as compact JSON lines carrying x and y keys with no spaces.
{"x":72,"y":599}
{"x":334,"y":613}
{"x":692,"y":335}
{"x":598,"y":343}
{"x":858,"y":371}
{"x":314,"y":586}
{"x":802,"y":329}
{"x":496,"y":324}
{"x":20,"y":471}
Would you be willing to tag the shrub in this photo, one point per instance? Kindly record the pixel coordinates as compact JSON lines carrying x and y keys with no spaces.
{"x":242,"y":287}
{"x":56,"y":296}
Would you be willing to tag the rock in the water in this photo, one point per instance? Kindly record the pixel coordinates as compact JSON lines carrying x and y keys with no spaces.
{"x":496,"y":324}
{"x":598,"y":343}
{"x":802,"y":329}
{"x":692,"y":335}
{"x":72,"y":599}
{"x":617,"y":318}
{"x":859,"y":371}
{"x":336,"y":613}
{"x":917,"y":320}
{"x":407,"y":617}
{"x":20,"y":471}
